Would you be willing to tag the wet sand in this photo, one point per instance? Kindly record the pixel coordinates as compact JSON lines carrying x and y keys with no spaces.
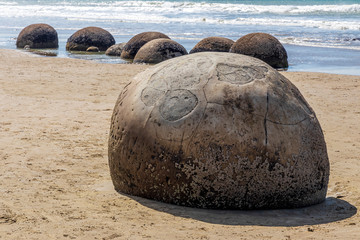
{"x":54,"y":177}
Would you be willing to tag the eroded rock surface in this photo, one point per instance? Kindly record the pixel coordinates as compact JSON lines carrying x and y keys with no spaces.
{"x":217,"y":130}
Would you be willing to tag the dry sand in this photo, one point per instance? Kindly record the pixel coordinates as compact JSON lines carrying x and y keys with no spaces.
{"x":54,"y":177}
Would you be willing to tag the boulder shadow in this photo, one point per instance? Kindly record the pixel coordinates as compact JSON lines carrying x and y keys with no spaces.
{"x":331,"y":210}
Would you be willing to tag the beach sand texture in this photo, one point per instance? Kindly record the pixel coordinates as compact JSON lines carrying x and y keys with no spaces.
{"x":54,"y":177}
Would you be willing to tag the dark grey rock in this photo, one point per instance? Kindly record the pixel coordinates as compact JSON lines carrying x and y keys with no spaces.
{"x":38,"y":36}
{"x":88,"y":37}
{"x":262,"y":46}
{"x":135,"y":43}
{"x":159,"y":50}
{"x":213,"y":44}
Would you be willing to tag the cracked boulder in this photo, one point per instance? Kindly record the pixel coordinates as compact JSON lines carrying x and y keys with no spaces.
{"x":38,"y":36}
{"x":217,"y":130}
{"x":262,"y":46}
{"x":90,"y":37}
{"x":159,"y":50}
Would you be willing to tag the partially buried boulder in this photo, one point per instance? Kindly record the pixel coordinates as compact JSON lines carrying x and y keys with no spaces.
{"x":38,"y":36}
{"x":115,"y":50}
{"x":90,"y":37}
{"x":213,"y":44}
{"x":92,"y":49}
{"x":262,"y":46}
{"x":217,"y":130}
{"x":159,"y":50}
{"x":135,"y":43}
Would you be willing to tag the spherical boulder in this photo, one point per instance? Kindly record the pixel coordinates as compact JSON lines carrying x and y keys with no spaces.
{"x":115,"y":50}
{"x":90,"y":37}
{"x":159,"y":50}
{"x":38,"y":36}
{"x":135,"y":43}
{"x":213,"y":44}
{"x":262,"y":46}
{"x":217,"y":130}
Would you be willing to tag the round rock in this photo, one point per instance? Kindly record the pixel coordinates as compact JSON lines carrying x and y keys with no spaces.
{"x":217,"y":130}
{"x":92,"y":49}
{"x":159,"y":50}
{"x":262,"y":46}
{"x":213,"y":44}
{"x":90,"y":37}
{"x":38,"y":36}
{"x":135,"y":43}
{"x":115,"y":50}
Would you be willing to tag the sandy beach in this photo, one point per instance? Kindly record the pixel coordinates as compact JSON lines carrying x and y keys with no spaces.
{"x":54,"y":176}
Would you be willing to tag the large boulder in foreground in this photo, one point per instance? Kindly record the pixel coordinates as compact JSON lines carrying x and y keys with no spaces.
{"x":135,"y":43}
{"x":213,"y":44}
{"x":262,"y":46}
{"x":38,"y":36}
{"x":217,"y":130}
{"x":159,"y":50}
{"x":90,"y":37}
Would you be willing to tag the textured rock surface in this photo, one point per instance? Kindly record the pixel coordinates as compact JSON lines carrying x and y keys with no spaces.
{"x":217,"y":130}
{"x":88,"y":37}
{"x":38,"y":36}
{"x":159,"y":50}
{"x":135,"y":43}
{"x":262,"y":46}
{"x":213,"y":44}
{"x":115,"y":50}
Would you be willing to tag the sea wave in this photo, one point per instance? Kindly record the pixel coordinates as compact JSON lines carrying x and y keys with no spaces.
{"x":197,"y":7}
{"x":348,"y":9}
{"x":190,"y":12}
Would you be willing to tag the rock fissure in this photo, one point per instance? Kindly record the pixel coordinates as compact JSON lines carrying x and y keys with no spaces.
{"x":265,"y":118}
{"x":287,"y":124}
{"x":234,"y":155}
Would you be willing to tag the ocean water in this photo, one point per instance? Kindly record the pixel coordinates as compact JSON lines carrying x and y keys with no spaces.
{"x":321,"y":36}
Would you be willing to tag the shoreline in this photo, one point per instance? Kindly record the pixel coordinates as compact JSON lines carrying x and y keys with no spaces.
{"x":55,"y":181}
{"x":333,"y":67}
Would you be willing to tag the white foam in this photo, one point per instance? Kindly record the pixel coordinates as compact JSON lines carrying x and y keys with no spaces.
{"x":183,"y":12}
{"x":186,"y":12}
{"x":324,"y":17}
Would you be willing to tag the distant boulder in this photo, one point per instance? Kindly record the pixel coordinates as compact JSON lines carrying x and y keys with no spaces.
{"x":115,"y":50}
{"x":93,"y":49}
{"x":213,"y":44}
{"x":88,"y":37}
{"x":264,"y":47}
{"x":159,"y":50}
{"x":38,"y":36}
{"x":135,"y":43}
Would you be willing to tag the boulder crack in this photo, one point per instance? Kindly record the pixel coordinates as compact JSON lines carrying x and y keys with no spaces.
{"x":288,"y":124}
{"x":265,"y":118}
